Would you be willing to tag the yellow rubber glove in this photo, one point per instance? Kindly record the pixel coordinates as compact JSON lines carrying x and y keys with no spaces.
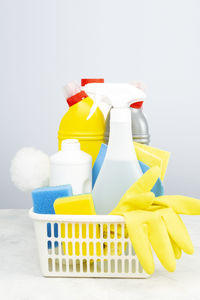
{"x":180,"y":204}
{"x":155,"y":219}
{"x":146,"y":228}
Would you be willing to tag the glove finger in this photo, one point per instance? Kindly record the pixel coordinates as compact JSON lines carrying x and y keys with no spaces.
{"x":180,"y":204}
{"x":139,"y":239}
{"x":134,"y":201}
{"x":161,"y":243}
{"x":177,"y":230}
{"x":176,"y":249}
{"x":146,"y":182}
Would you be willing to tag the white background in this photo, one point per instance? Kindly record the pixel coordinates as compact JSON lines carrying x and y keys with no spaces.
{"x":45,"y":44}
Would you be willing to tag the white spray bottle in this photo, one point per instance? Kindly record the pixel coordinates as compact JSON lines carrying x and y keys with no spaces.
{"x":120,"y":168}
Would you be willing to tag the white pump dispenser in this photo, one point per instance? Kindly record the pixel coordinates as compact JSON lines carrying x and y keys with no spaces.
{"x":120,"y":168}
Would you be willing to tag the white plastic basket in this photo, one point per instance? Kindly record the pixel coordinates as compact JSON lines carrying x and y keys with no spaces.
{"x":85,"y":246}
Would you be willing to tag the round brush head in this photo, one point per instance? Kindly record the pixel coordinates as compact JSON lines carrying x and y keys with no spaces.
{"x":30,"y":169}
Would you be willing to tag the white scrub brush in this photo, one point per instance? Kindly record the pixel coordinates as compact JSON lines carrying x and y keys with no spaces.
{"x":30,"y":169}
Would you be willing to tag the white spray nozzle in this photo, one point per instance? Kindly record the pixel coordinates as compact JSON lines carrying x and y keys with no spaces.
{"x":118,"y":95}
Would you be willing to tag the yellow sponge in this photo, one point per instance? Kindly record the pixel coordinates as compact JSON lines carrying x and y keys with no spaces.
{"x":75,"y":205}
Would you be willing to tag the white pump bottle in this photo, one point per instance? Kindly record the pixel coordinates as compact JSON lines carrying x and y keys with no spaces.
{"x":120,"y":168}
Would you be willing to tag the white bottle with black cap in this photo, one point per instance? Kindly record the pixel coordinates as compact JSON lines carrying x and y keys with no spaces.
{"x":71,"y":166}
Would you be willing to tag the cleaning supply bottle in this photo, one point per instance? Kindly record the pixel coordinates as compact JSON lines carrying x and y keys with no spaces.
{"x":74,"y":124}
{"x":71,"y":166}
{"x":120,"y":168}
{"x":140,"y":128}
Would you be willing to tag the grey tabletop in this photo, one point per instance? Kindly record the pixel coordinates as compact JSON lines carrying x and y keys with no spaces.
{"x":20,"y":276}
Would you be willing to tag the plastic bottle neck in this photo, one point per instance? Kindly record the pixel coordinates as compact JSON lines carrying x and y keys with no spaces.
{"x":120,"y":145}
{"x":70,"y":145}
{"x":76,"y":98}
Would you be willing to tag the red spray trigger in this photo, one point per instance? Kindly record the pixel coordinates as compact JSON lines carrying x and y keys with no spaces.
{"x":137,"y":105}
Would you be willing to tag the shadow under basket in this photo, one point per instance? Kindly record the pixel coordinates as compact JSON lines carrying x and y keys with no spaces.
{"x":85,"y":246}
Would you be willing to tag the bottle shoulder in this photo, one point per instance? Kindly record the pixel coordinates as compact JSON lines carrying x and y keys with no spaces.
{"x":70,"y":157}
{"x":75,"y":119}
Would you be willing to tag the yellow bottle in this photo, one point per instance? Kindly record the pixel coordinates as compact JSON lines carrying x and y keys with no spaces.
{"x":74,"y":124}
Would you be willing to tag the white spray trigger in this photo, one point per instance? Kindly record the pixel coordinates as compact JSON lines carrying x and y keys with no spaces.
{"x":97,"y":99}
{"x":118,"y":95}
